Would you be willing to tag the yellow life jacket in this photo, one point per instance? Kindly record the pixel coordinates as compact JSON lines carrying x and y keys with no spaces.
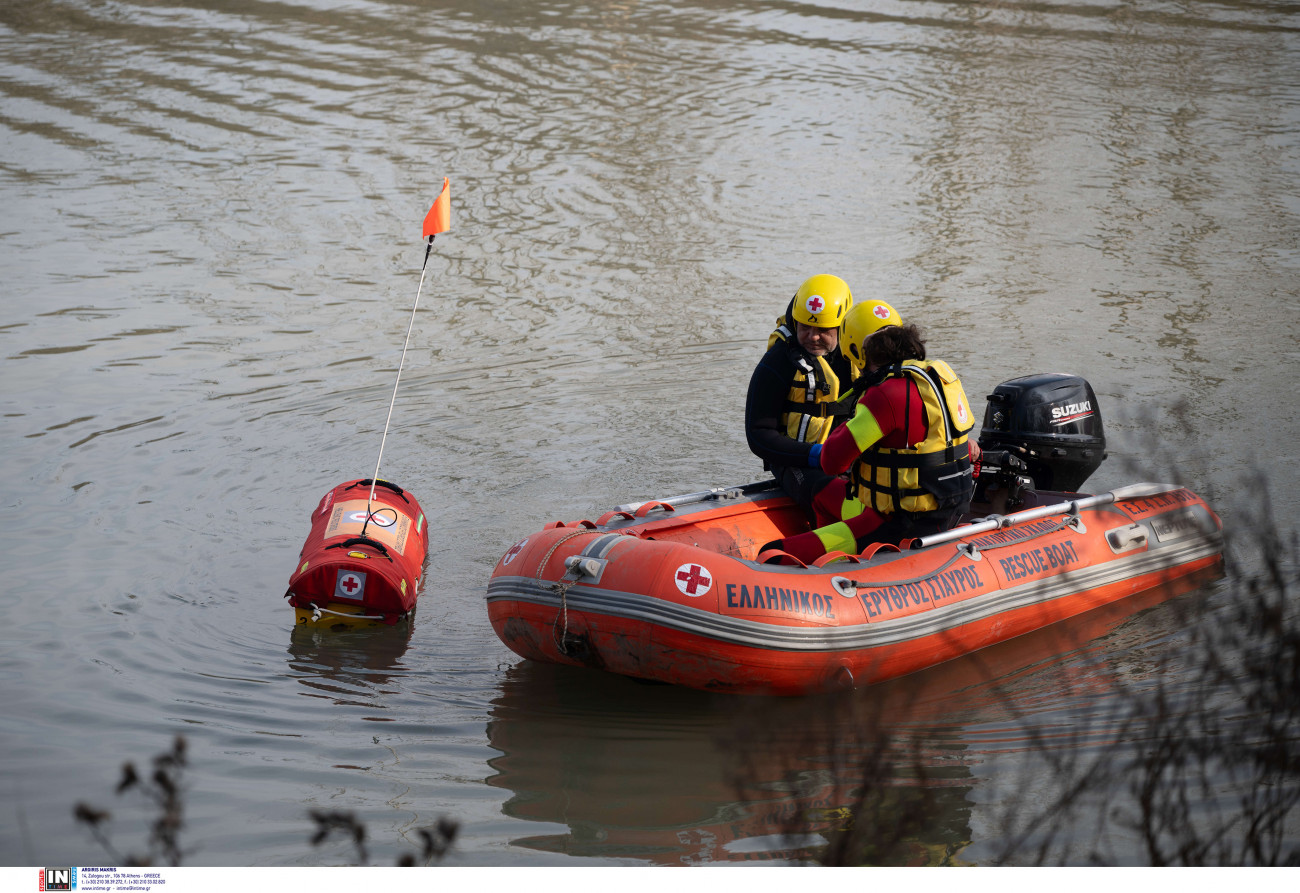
{"x":815,"y":387}
{"x":784,"y":331}
{"x":935,"y":473}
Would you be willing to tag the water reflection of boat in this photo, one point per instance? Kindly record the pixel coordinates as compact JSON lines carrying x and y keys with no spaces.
{"x":684,"y":590}
{"x":669,"y":775}
{"x":659,"y":774}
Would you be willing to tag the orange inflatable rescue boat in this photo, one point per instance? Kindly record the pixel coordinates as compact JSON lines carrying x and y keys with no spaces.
{"x":364,"y":558}
{"x":677,"y":591}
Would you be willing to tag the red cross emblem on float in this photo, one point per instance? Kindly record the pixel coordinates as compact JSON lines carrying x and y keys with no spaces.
{"x":514,"y":551}
{"x":693,"y":580}
{"x":815,"y":304}
{"x":350,"y":584}
{"x":881,"y":311}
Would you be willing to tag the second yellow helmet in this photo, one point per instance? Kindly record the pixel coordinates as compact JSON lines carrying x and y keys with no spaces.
{"x":861,"y":321}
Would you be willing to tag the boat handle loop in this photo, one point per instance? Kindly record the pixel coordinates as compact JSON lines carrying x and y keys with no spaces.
{"x":776,"y":556}
{"x":396,"y":489}
{"x":652,"y":505}
{"x":362,"y":541}
{"x":611,"y":515}
{"x":872,"y":550}
{"x":832,"y":557}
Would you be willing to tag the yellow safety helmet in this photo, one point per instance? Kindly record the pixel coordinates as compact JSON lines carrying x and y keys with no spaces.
{"x":861,"y":321}
{"x":822,"y":301}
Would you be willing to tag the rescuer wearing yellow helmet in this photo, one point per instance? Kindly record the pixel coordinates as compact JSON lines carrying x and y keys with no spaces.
{"x":789,"y":409}
{"x":861,"y":320}
{"x":835,"y":501}
{"x":906,"y":449}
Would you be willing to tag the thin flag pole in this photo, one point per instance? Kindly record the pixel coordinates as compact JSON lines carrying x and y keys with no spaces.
{"x":438,"y":220}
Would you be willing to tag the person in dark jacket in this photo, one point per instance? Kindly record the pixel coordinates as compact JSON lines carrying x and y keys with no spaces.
{"x":792,"y":392}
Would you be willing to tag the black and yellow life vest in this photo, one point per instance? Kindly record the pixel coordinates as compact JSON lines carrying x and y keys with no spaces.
{"x":935,"y":473}
{"x":810,"y":405}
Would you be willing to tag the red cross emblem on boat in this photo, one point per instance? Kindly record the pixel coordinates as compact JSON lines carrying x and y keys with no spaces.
{"x":514,"y":551}
{"x":881,"y":311}
{"x":815,"y":304}
{"x":693,"y":580}
{"x":350,"y":584}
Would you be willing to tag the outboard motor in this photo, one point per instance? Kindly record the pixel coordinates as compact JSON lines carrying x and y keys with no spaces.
{"x":1051,"y":423}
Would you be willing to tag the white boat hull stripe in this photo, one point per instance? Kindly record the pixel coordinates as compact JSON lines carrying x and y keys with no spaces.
{"x":756,"y":634}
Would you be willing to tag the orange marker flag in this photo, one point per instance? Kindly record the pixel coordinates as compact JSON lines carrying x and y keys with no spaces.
{"x":438,"y":220}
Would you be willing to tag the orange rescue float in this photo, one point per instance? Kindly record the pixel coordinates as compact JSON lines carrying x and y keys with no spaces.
{"x":363,"y":562}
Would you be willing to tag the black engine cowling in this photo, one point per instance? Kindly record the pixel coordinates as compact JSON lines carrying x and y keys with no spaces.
{"x":1052,"y":423}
